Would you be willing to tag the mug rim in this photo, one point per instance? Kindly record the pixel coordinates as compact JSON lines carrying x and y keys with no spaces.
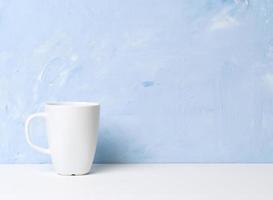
{"x":72,"y":103}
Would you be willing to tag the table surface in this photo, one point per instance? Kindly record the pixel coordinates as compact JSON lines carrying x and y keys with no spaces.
{"x":140,"y":181}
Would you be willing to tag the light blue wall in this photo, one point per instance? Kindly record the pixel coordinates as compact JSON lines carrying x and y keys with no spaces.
{"x":179,"y":81}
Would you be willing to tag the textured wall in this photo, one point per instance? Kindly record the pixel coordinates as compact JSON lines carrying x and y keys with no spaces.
{"x":179,"y":81}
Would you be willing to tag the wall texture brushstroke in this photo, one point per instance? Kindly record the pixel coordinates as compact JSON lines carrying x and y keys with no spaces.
{"x":179,"y":81}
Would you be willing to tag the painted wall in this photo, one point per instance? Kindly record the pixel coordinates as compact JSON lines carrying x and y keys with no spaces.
{"x":179,"y":81}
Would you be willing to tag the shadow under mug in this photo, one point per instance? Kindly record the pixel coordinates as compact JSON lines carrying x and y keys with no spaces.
{"x":72,"y":135}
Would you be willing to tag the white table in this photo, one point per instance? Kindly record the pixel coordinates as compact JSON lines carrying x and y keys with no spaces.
{"x":140,"y":181}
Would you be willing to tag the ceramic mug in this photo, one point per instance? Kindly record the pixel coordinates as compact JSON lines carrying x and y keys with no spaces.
{"x":72,"y":135}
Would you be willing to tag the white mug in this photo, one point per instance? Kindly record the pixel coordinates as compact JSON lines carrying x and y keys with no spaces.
{"x":72,"y":135}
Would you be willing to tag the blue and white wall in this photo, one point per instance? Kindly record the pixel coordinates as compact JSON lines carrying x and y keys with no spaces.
{"x":179,"y":81}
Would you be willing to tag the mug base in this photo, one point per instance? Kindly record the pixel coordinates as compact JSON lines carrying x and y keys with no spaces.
{"x":72,"y":174}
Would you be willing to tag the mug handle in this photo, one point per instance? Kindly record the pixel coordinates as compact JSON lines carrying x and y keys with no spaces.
{"x":28,"y":121}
